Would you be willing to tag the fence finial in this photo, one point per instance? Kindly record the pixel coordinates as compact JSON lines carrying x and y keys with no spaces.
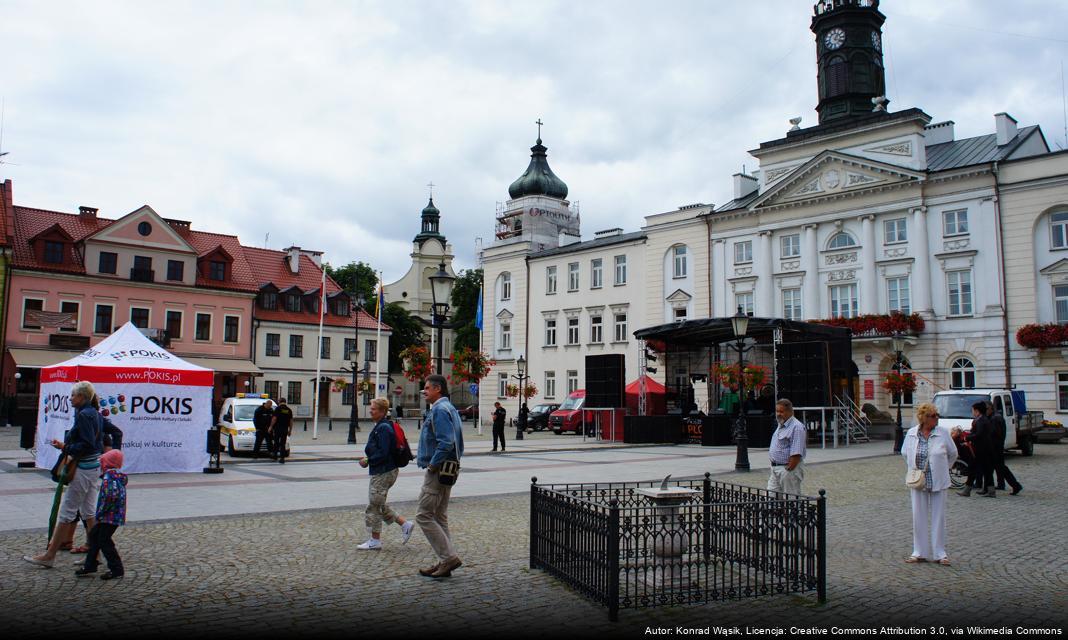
{"x":663,"y":485}
{"x":534,"y":480}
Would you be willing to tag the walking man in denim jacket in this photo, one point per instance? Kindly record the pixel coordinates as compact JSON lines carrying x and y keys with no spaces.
{"x":440,"y":439}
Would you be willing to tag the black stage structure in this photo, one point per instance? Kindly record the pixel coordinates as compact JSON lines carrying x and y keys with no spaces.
{"x":809,"y":363}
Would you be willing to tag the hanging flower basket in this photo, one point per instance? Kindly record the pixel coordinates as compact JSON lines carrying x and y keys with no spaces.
{"x":339,"y":385}
{"x":750,"y":377}
{"x":871,"y":325}
{"x":512,"y":390}
{"x":1042,"y":336}
{"x":365,"y":386}
{"x":899,"y":383}
{"x":470,"y":366}
{"x":417,"y":365}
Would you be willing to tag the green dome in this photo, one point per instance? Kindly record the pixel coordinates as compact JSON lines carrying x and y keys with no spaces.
{"x":430,"y":219}
{"x":538,"y":179}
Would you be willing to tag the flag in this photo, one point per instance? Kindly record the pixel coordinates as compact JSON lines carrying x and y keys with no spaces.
{"x":478,"y":312}
{"x":380,"y":300}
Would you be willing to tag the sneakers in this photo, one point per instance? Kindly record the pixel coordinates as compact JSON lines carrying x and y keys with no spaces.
{"x":406,"y":531}
{"x":370,"y":545}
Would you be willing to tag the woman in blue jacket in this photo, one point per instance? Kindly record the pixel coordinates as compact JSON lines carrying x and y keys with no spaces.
{"x":384,"y":472}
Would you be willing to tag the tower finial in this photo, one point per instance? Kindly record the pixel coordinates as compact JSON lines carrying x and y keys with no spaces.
{"x":539,"y":123}
{"x":430,"y":185}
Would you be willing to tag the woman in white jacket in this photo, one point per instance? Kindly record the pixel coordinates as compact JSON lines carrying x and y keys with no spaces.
{"x":929,"y":447}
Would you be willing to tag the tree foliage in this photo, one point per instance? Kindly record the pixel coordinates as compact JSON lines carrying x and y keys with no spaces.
{"x":407,"y":332}
{"x":464,"y":308}
{"x":356,"y":274}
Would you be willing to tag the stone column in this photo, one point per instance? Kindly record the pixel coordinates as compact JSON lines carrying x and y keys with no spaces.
{"x":810,"y":289}
{"x":719,"y":279}
{"x":763,"y":298}
{"x":921,"y":273}
{"x":869,"y":290}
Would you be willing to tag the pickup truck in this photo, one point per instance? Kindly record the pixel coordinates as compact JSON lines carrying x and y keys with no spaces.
{"x":955,"y":409}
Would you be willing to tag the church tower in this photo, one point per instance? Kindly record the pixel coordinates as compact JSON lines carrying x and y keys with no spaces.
{"x":849,"y":54}
{"x":430,"y":218}
{"x":538,"y":210}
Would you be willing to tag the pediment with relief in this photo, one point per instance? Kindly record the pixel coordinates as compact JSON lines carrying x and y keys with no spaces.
{"x":831,"y":174}
{"x":1057,"y":272}
{"x":127,"y":230}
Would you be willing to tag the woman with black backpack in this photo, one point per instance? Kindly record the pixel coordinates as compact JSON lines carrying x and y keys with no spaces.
{"x":380,"y":449}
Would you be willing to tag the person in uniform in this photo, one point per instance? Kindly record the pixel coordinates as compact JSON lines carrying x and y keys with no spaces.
{"x":281,"y":429}
{"x":262,"y":420}
{"x":499,"y":414}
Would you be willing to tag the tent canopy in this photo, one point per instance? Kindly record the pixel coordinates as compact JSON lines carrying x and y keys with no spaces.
{"x":651,"y":386}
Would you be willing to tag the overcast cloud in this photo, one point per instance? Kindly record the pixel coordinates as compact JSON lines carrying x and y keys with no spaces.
{"x":320,"y":123}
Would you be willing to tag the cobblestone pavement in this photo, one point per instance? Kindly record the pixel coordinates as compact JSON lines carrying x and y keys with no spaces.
{"x":299,"y":571}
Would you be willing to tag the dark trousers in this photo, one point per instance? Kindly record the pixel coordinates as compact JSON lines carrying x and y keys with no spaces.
{"x":498,"y":433}
{"x":983,"y":475}
{"x":262,"y":437}
{"x":1004,"y":475}
{"x":100,"y":542}
{"x":279,"y":437}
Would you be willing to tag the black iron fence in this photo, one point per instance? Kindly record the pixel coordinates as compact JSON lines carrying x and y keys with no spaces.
{"x":722,"y":541}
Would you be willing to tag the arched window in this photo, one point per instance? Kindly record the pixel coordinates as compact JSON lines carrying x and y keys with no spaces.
{"x":841,"y":240}
{"x":837,"y":77}
{"x":1058,"y":229}
{"x":962,"y":374}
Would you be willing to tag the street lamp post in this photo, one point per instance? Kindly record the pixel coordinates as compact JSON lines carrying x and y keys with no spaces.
{"x":358,"y":301}
{"x":740,"y":325}
{"x":440,"y":291}
{"x":521,"y":366}
{"x":898,"y":345}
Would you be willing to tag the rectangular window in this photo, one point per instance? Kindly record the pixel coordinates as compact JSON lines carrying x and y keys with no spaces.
{"x":217,"y":270}
{"x":71,"y":308}
{"x":1060,"y":296}
{"x":621,"y":270}
{"x":550,"y":332}
{"x":271,"y":389}
{"x":680,"y":314}
{"x":844,"y":301}
{"x":790,"y":246}
{"x":744,"y":301}
{"x":175,"y":270}
{"x":960,"y":292}
{"x":30,"y":304}
{"x":102,"y":323}
{"x":506,"y":336}
{"x":1058,"y":226}
{"x":324,"y":347}
{"x":573,"y":276}
{"x":550,"y":385}
{"x":140,"y":317}
{"x":231,"y":328}
{"x":897,"y":291}
{"x":680,"y":262}
{"x":1062,"y":392}
{"x":292,"y":302}
{"x":53,"y":252}
{"x":743,"y":252}
{"x":296,"y":346}
{"x":506,"y":286}
{"x":350,"y":347}
{"x":596,"y":329}
{"x":293,"y":393}
{"x":894,"y":231}
{"x":596,"y":273}
{"x":621,"y":327}
{"x":550,"y":280}
{"x":347,"y":394}
{"x":791,"y":304}
{"x":269,"y":300}
{"x":572,"y":382}
{"x":370,"y":350}
{"x":203,"y":328}
{"x":502,"y":385}
{"x":273,"y":344}
{"x":572,"y":330}
{"x":109,"y":262}
{"x":142,"y":270}
{"x":174,"y":325}
{"x":955,"y":223}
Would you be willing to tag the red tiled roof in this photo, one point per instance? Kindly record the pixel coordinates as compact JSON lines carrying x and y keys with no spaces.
{"x":6,"y":212}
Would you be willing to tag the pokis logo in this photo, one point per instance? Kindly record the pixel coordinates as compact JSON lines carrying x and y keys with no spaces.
{"x":141,"y":353}
{"x":56,"y":403}
{"x":113,"y":405}
{"x":161,"y":405}
{"x":90,"y":353}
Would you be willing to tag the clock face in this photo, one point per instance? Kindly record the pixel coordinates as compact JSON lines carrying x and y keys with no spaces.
{"x":834,"y":39}
{"x":876,"y":41}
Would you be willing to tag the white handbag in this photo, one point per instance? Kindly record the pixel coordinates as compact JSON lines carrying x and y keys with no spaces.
{"x":916,"y":479}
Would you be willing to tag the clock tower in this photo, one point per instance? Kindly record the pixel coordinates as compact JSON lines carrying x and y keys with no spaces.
{"x":849,"y":54}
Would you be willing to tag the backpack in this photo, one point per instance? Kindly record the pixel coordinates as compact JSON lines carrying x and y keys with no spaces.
{"x":402,"y":453}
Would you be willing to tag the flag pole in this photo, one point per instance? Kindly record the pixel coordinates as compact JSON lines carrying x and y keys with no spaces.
{"x":378,"y":331}
{"x":318,"y":360}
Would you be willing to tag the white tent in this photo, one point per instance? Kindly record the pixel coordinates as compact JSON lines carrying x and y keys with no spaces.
{"x":161,"y":403}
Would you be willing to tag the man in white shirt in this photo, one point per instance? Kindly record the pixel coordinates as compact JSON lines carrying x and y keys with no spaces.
{"x":787,"y":450}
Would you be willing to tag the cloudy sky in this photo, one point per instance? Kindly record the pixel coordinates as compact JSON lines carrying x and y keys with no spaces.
{"x":321,"y":123}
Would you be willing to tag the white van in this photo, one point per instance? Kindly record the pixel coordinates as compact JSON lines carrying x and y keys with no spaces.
{"x":955,"y":410}
{"x":236,"y":427}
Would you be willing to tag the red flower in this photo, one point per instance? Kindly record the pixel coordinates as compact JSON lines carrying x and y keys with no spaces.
{"x":1042,"y":336}
{"x":880,"y":325}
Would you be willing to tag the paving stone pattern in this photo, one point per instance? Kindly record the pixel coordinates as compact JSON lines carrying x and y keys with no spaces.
{"x":266,"y":575}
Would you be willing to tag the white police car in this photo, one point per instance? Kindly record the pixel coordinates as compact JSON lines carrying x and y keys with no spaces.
{"x":236,"y":427}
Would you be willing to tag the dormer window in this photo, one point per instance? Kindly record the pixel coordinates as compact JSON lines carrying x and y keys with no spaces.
{"x":53,"y":252}
{"x":269,"y":300}
{"x":217,"y":270}
{"x":341,"y":307}
{"x":292,"y":302}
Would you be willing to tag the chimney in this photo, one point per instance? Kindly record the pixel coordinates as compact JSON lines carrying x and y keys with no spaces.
{"x":744,"y":185}
{"x":939,"y":133}
{"x":315,"y":256}
{"x":608,"y":233}
{"x":1006,"y":126}
{"x":293,"y":256}
{"x":566,"y":238}
{"x":87,"y":213}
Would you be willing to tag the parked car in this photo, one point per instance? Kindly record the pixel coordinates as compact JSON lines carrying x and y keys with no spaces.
{"x":569,"y":416}
{"x":470,"y":412}
{"x":238,"y":433}
{"x":955,"y":410}
{"x":538,"y":420}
